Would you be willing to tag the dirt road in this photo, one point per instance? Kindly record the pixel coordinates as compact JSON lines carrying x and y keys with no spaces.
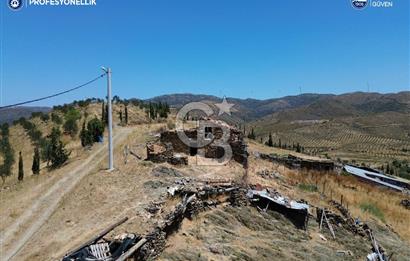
{"x":14,"y":237}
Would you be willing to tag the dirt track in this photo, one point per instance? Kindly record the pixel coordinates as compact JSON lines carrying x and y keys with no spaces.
{"x":15,"y":236}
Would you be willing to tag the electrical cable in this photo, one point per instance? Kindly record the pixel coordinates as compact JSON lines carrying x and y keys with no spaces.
{"x":54,"y":95}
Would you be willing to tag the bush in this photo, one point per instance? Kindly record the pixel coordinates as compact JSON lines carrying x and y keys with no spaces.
{"x":308,"y":187}
{"x":96,"y":129}
{"x":70,"y":125}
{"x":45,"y":117}
{"x":56,"y":153}
{"x":56,"y":119}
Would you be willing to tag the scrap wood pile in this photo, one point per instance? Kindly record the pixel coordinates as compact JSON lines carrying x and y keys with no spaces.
{"x":196,"y":196}
{"x":100,"y":249}
{"x":353,"y":225}
{"x":195,"y":199}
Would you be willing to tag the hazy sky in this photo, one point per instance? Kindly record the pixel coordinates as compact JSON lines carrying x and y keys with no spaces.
{"x":240,"y":48}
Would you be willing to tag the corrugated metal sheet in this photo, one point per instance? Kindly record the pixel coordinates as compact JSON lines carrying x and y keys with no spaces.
{"x":373,"y":177}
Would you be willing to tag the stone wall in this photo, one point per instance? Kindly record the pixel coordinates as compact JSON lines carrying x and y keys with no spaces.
{"x":235,"y":140}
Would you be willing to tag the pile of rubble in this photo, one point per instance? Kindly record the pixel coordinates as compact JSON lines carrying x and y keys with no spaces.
{"x":98,"y":248}
{"x":405,"y":203}
{"x":196,"y":196}
{"x":266,"y":174}
{"x":299,"y":163}
{"x":164,"y":152}
{"x":354,"y":225}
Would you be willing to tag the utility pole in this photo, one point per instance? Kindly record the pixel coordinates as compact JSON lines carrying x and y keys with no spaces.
{"x":110,"y":146}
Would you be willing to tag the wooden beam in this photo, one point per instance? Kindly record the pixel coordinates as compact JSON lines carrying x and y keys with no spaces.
{"x":330,"y":226}
{"x":132,"y":250}
{"x":98,"y":236}
{"x":321,"y":219}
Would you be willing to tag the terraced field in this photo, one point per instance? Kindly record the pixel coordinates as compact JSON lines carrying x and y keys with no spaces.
{"x":342,"y":140}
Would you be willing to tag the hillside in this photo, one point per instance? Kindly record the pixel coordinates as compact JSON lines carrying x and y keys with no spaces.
{"x":11,"y":114}
{"x":20,"y":139}
{"x":80,"y":198}
{"x":309,"y":106}
{"x":372,"y":128}
{"x":137,"y":189}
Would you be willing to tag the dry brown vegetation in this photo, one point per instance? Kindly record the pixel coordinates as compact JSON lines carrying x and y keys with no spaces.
{"x":101,"y":197}
{"x":355,"y":195}
{"x":332,"y":185}
{"x":20,"y":141}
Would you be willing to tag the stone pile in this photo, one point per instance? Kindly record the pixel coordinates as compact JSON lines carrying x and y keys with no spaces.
{"x":266,"y":174}
{"x":238,"y":198}
{"x":405,"y":203}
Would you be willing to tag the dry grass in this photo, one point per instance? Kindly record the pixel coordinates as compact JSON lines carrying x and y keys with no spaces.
{"x":364,"y":200}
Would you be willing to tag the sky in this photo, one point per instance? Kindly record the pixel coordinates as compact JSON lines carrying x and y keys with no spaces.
{"x":236,"y":48}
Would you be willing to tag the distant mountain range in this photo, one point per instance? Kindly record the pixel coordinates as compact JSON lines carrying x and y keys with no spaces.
{"x":304,"y":106}
{"x":370,"y":127}
{"x":299,"y":107}
{"x":10,"y":114}
{"x":361,"y":126}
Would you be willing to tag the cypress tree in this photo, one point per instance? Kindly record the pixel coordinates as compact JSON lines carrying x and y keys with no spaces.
{"x":270,"y":141}
{"x":21,"y":170}
{"x":36,"y":161}
{"x":86,"y":137}
{"x":126,"y":114}
{"x":120,"y":113}
{"x":7,"y":152}
{"x":58,"y":154}
{"x":298,"y":147}
{"x":251,"y":135}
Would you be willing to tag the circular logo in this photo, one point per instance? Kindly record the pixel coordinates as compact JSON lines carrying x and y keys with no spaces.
{"x":359,"y":4}
{"x":15,"y":4}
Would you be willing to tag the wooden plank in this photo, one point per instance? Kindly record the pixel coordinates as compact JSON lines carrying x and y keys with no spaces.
{"x":375,"y":246}
{"x":98,"y":236}
{"x":132,"y":250}
{"x":321,"y":219}
{"x":330,"y":226}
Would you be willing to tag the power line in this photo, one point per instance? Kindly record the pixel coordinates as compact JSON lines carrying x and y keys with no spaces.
{"x":54,"y":95}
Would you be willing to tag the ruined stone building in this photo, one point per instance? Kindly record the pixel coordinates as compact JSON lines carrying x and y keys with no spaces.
{"x":170,"y":145}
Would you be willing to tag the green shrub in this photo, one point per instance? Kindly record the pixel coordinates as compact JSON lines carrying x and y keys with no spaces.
{"x":372,"y":209}
{"x":308,"y":187}
{"x":56,"y":119}
{"x":7,"y":151}
{"x":56,"y":153}
{"x":96,"y":128}
{"x":70,"y":125}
